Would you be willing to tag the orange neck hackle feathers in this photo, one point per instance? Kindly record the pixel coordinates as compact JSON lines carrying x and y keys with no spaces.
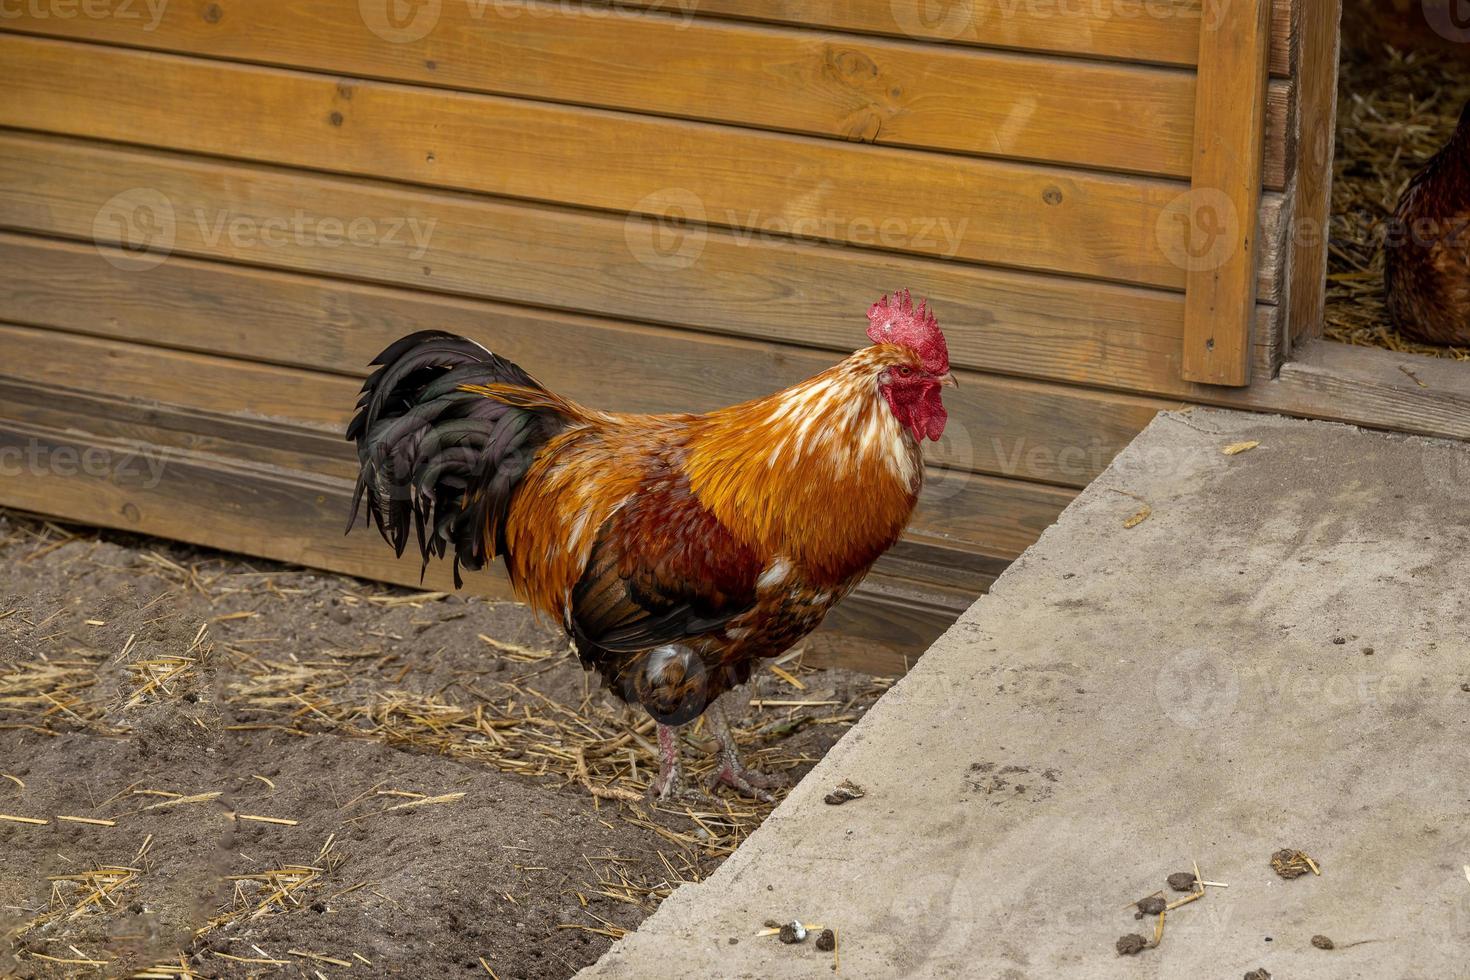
{"x":827,"y":472}
{"x":822,"y":473}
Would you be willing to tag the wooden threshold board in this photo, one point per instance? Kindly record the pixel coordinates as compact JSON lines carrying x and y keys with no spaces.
{"x":1377,"y":389}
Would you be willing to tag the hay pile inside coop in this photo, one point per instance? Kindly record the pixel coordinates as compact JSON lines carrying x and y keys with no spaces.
{"x":212,"y":767}
{"x":1395,"y":110}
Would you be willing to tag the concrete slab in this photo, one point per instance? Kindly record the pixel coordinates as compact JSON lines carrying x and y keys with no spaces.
{"x":1125,"y":701}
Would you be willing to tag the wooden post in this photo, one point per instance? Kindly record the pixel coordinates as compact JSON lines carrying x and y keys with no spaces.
{"x":1315,"y":26}
{"x":1218,"y":215}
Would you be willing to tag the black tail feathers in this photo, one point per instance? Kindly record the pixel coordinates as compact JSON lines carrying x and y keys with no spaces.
{"x":443,"y":459}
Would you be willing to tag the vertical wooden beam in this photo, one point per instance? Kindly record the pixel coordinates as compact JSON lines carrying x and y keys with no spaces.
{"x":1316,"y":43}
{"x":1219,"y":216}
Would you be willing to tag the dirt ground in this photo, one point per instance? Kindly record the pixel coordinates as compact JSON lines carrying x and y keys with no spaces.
{"x":216,"y":767}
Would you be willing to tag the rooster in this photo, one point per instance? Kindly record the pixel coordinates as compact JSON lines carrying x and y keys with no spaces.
{"x":677,"y":551}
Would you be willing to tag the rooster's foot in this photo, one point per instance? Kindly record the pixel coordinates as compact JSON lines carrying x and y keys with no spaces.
{"x":669,"y":785}
{"x":748,"y":782}
{"x":674,"y":788}
{"x":729,"y":770}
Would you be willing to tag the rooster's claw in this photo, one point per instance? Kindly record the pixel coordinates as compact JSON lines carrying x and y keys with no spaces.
{"x":747,"y":781}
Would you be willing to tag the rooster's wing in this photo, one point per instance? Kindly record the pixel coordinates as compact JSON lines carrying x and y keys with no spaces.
{"x":663,"y":570}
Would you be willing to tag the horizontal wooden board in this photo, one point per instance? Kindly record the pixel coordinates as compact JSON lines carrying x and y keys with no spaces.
{"x":1165,"y":32}
{"x":1286,"y":26}
{"x":208,"y":501}
{"x":1109,"y":116}
{"x":1000,"y":213}
{"x":1280,"y":150}
{"x":985,"y":515}
{"x":997,"y":426}
{"x":1275,"y":233}
{"x":1013,"y":323}
{"x":884,"y":626}
{"x":232,"y":438}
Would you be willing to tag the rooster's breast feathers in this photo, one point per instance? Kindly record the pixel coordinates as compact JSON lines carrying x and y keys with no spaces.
{"x":636,"y":531}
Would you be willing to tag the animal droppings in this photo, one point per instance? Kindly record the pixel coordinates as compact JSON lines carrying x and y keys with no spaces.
{"x":1182,"y":881}
{"x":1152,"y":905}
{"x":1293,"y":864}
{"x":1131,"y":944}
{"x":845,"y":791}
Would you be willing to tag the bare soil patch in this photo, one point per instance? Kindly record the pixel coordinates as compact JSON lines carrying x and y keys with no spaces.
{"x":277,"y":772}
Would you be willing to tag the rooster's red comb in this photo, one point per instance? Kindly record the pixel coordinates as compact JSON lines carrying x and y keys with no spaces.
{"x":900,"y":322}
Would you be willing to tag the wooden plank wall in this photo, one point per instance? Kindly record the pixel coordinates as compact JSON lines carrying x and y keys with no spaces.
{"x":211,"y":220}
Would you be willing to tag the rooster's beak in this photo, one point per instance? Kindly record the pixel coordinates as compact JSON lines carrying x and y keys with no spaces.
{"x":947,"y":380}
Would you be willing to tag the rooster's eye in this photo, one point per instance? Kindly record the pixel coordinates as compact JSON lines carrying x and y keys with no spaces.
{"x":905,"y":370}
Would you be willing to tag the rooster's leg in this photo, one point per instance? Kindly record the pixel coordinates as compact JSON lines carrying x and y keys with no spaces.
{"x":670,"y":781}
{"x":729,"y":770}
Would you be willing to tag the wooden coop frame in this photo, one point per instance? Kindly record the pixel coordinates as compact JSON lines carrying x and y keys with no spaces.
{"x":210,"y":222}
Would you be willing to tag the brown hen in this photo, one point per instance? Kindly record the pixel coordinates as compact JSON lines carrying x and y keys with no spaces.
{"x":1427,"y":254}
